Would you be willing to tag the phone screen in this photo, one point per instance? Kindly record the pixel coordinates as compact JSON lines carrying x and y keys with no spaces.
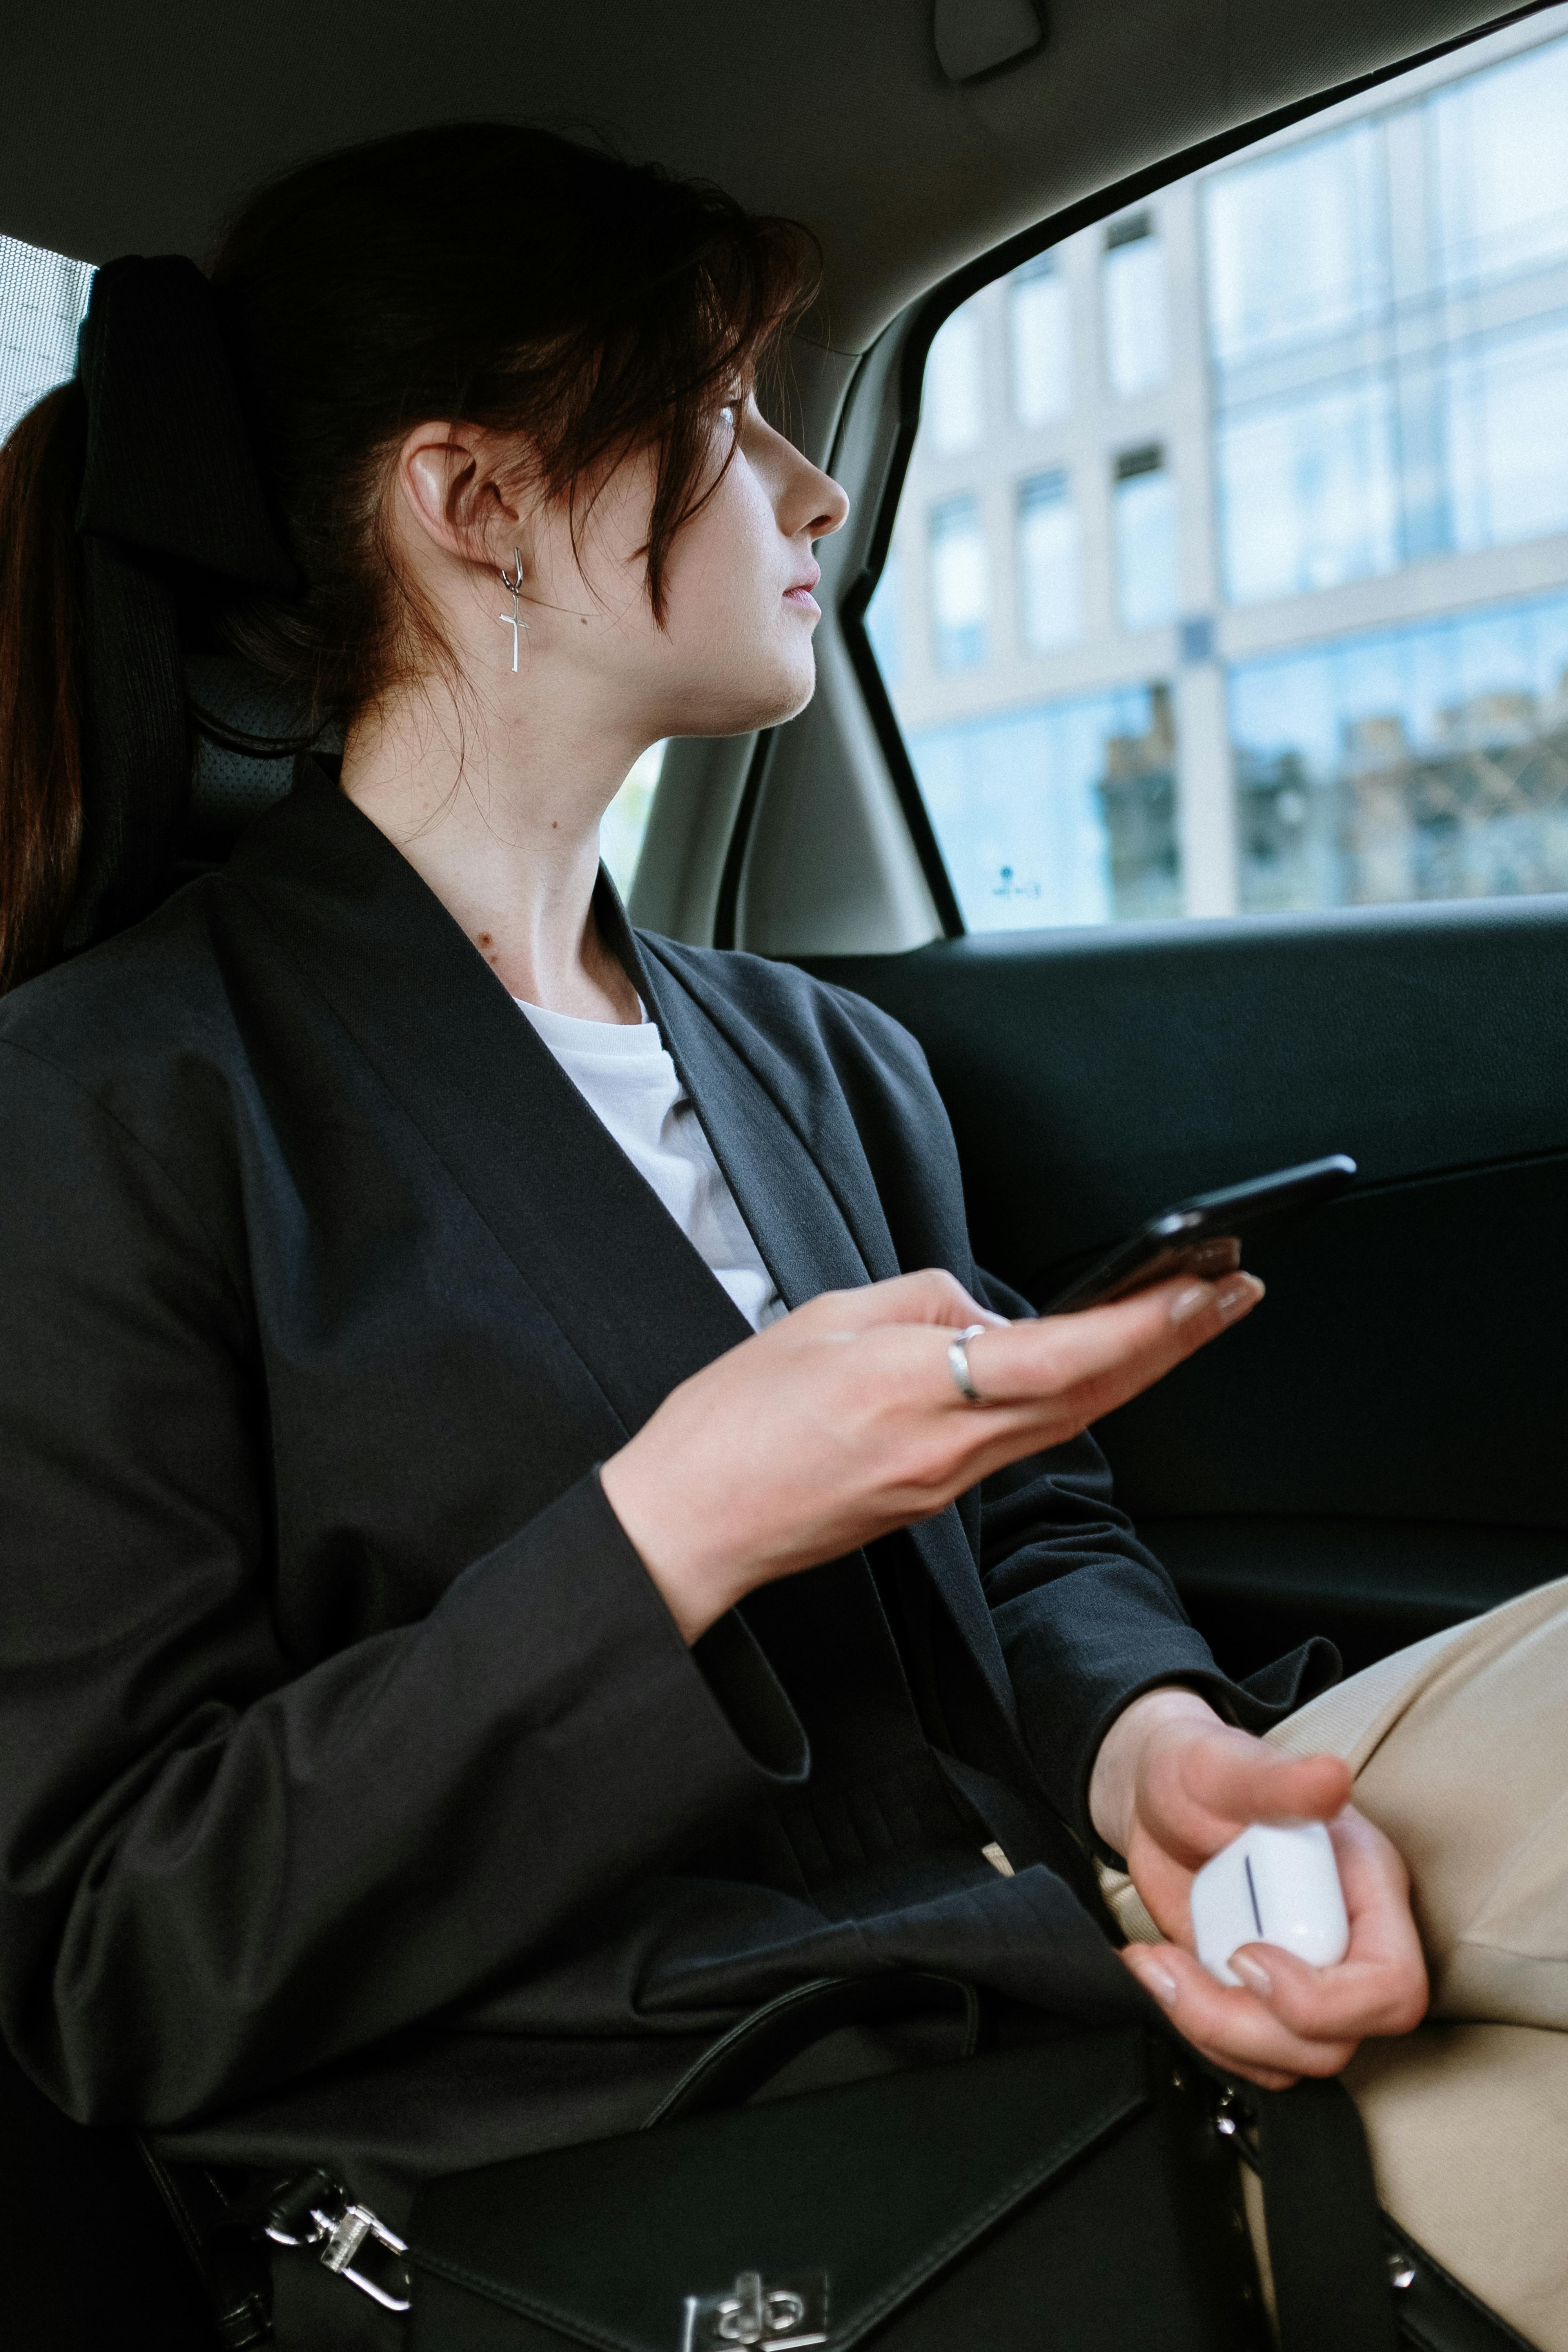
{"x":1202,"y":1236}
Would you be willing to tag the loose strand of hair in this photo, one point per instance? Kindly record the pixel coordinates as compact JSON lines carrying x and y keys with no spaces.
{"x":41,"y":682}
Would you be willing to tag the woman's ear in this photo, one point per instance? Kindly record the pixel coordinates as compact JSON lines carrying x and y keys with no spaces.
{"x":449,"y":484}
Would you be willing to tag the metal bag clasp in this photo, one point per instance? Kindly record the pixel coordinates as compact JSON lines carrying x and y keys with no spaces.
{"x":790,"y":2314}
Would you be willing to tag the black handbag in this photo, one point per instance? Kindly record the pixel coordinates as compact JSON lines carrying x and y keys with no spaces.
{"x":1039,"y":2189}
{"x":1078,"y":2191}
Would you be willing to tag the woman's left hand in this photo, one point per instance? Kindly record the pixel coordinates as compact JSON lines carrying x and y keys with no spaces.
{"x":1172,"y":1784}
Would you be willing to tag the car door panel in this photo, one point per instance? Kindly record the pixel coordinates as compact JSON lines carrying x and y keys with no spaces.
{"x":1380,"y":1449}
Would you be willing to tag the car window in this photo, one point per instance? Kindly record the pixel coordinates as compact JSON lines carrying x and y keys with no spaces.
{"x":1230,"y":571}
{"x":43,"y":298}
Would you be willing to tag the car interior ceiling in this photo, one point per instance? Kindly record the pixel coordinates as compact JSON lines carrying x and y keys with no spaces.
{"x":1374,"y":1455}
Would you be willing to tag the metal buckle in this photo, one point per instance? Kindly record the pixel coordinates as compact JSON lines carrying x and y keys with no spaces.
{"x":341,"y":2229}
{"x":791,"y":2313}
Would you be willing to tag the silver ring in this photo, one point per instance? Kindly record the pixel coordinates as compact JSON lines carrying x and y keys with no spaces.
{"x":958,"y":1364}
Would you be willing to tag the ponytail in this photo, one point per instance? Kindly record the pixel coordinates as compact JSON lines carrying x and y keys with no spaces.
{"x":41,"y":682}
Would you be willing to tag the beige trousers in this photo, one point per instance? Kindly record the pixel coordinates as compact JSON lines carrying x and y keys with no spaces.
{"x":1460,"y":1748}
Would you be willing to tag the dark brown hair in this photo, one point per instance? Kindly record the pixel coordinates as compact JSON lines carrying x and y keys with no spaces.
{"x":499,"y":275}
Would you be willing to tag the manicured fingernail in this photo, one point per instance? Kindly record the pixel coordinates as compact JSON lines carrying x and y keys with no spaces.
{"x":1234,"y":1297}
{"x":1159,"y":1981}
{"x":1253,"y":1974}
{"x":1187,"y":1302}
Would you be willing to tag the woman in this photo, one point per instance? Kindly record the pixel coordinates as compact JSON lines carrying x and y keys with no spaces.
{"x":527,"y":1531}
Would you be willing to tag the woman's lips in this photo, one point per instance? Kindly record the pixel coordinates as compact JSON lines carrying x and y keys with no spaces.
{"x":800,"y":594}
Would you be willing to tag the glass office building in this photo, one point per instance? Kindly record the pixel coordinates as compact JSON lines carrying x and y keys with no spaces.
{"x":1232,"y":568}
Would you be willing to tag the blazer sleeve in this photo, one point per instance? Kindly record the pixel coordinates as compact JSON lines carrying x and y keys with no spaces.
{"x":1088,"y":1620}
{"x":218,"y":1871}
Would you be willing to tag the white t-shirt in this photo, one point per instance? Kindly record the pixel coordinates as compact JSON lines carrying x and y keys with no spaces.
{"x":625,"y":1075}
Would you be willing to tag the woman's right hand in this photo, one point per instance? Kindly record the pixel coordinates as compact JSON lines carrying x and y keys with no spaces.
{"x":842,"y":1421}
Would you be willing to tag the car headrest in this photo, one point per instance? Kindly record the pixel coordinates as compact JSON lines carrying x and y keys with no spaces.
{"x":230,"y":785}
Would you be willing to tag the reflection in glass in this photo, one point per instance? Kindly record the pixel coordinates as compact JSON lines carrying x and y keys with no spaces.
{"x":1500,"y":181}
{"x":1307,"y":492}
{"x":1297,"y":244}
{"x":1144,"y":521}
{"x":1132,"y":288}
{"x":1062,"y":813}
{"x":952,"y":408}
{"x":625,"y":822}
{"x":1429,"y":761}
{"x":1506,"y":414}
{"x":43,"y":300}
{"x":1041,"y":346}
{"x":959,"y":583}
{"x":1050,"y":604}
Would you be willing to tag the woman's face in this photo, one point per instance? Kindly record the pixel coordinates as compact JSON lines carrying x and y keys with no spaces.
{"x":735,"y":651}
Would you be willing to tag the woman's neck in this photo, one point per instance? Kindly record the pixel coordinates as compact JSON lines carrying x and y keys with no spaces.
{"x":503,"y":825}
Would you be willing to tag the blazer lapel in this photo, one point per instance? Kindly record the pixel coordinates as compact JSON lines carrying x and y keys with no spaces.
{"x":813,"y":1212}
{"x":586,"y":1232}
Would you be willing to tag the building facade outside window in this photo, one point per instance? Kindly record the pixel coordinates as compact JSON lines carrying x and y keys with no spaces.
{"x":1040,"y":320}
{"x":952,"y":410}
{"x":1050,"y":601}
{"x":1285,"y":625}
{"x":959,"y":583}
{"x":43,"y":300}
{"x":1146,"y":539}
{"x":1137,"y":315}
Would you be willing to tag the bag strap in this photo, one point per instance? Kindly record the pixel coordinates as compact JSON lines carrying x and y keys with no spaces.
{"x":751,"y":2054}
{"x":1333,"y":2291}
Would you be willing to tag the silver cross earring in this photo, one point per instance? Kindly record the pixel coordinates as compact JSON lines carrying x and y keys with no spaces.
{"x":512,"y":583}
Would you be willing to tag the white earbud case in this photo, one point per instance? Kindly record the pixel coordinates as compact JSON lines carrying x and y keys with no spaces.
{"x":1273,"y":1884}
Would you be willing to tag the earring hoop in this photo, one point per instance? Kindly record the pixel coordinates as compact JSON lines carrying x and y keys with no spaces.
{"x":512,"y":583}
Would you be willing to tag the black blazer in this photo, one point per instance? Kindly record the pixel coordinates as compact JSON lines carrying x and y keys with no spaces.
{"x":360,"y":1801}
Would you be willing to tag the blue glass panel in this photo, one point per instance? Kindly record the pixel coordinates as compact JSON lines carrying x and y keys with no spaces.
{"x":1064,"y":812}
{"x":1429,"y":761}
{"x":1146,"y":552}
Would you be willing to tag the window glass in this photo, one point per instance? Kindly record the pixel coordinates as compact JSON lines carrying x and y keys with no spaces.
{"x":1500,"y":170}
{"x":42,"y":299}
{"x":1145,"y":532}
{"x":1292,"y":631}
{"x":625,"y":822}
{"x":1050,"y":599}
{"x":1429,"y":761}
{"x":959,"y":583}
{"x":1137,"y":328}
{"x":1307,"y":492}
{"x":1040,"y":333}
{"x":1297,"y":245}
{"x":951,"y":405}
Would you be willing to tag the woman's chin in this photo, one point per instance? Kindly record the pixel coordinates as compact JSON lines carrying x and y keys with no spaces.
{"x":742,"y":710}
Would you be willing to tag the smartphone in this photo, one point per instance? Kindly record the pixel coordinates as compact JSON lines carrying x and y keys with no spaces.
{"x":1200,"y":1236}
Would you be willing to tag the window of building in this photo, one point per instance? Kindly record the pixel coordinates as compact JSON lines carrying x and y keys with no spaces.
{"x":43,"y":300}
{"x":1388,"y":327}
{"x":1365,"y":696}
{"x":1132,"y":291}
{"x":959,"y":583}
{"x":1050,"y":606}
{"x":1063,"y":813}
{"x":1145,"y":506}
{"x":951,"y":401}
{"x":1039,"y":335}
{"x":1428,"y":762}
